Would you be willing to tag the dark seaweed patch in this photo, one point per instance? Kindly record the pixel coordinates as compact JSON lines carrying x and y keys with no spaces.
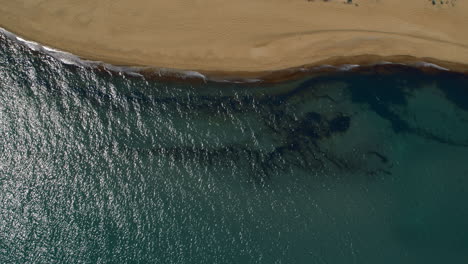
{"x":380,"y":94}
{"x":339,"y":124}
{"x":455,"y":88}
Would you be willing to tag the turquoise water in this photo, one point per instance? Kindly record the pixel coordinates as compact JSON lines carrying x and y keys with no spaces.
{"x":97,"y":167}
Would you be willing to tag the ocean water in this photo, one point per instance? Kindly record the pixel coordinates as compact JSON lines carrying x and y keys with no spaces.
{"x":346,"y":167}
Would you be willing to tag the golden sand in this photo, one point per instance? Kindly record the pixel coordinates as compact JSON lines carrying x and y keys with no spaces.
{"x":245,"y":36}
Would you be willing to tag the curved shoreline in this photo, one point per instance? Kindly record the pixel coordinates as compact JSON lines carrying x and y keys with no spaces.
{"x":360,"y":63}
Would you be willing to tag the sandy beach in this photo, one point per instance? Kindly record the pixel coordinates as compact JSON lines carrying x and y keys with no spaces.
{"x":245,"y":36}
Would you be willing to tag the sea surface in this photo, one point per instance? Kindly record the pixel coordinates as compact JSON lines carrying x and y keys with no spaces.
{"x":345,"y":167}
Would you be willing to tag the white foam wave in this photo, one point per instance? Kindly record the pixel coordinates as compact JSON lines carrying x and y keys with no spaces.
{"x":430,"y":65}
{"x":348,"y":67}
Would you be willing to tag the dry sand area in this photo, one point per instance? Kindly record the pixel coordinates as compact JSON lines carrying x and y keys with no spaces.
{"x":245,"y":36}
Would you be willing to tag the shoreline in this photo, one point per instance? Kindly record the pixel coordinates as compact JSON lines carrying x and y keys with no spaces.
{"x":358,"y":64}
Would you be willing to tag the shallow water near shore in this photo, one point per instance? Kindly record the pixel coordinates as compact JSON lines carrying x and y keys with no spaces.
{"x":98,"y":167}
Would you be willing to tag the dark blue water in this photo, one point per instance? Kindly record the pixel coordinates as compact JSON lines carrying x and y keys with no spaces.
{"x":99,"y":167}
